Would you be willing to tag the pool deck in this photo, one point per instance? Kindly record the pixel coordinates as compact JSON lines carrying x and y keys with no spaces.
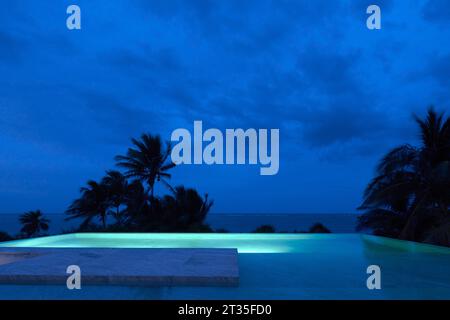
{"x":149,"y":267}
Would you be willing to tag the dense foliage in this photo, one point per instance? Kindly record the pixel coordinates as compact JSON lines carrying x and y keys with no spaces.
{"x":128,"y":199}
{"x":33,"y":223}
{"x":409,"y":198}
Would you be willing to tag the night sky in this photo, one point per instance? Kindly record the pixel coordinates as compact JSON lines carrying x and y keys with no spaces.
{"x":341,"y":95}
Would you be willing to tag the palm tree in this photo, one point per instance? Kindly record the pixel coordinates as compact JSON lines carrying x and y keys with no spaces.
{"x":148,"y":161}
{"x":117,"y":188}
{"x":410,"y":196}
{"x":185,"y":208}
{"x":383,"y":222}
{"x":94,"y":202}
{"x":33,"y":223}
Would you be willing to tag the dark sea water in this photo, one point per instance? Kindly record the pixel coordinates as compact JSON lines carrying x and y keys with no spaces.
{"x":337,"y":223}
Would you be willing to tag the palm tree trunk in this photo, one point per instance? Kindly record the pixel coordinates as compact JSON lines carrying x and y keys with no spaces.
{"x":408,"y":232}
{"x":104,"y":220}
{"x":443,"y":208}
{"x":118,"y":217}
{"x":152,"y":192}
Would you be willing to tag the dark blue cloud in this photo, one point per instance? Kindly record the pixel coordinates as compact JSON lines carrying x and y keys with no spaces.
{"x":340,"y":94}
{"x":440,"y":70}
{"x":329,"y":73}
{"x":12,"y":50}
{"x":437,"y":11}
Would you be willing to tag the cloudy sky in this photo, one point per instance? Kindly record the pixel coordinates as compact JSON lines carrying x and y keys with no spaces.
{"x":340,"y":94}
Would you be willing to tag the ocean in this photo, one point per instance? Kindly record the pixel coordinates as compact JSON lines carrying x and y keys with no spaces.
{"x":239,"y":222}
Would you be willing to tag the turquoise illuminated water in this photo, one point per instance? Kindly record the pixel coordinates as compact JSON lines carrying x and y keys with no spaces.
{"x":272,"y":266}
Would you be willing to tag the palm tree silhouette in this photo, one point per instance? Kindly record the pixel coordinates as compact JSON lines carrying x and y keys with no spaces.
{"x":33,"y":223}
{"x":185,"y":208}
{"x":148,"y":162}
{"x":410,"y":196}
{"x":94,"y":202}
{"x":137,"y":210}
{"x":117,"y":189}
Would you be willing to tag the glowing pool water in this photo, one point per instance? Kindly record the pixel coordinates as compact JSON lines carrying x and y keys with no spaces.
{"x":245,"y":243}
{"x":271,"y":266}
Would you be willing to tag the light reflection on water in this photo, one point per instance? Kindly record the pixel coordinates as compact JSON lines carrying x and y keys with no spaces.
{"x":280,"y":266}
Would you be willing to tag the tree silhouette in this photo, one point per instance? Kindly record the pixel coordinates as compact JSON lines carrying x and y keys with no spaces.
{"x":135,"y":207}
{"x":266,"y":228}
{"x":93,"y":203}
{"x":410,"y":196}
{"x":318,"y":228}
{"x":33,"y":223}
{"x":117,"y":190}
{"x":137,"y":211}
{"x":5,"y":236}
{"x":185,"y":208}
{"x":148,"y":161}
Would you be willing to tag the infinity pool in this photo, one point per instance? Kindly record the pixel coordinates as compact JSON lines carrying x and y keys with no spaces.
{"x":271,"y":266}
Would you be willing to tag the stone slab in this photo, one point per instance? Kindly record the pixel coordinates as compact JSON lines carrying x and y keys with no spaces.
{"x":147,"y":267}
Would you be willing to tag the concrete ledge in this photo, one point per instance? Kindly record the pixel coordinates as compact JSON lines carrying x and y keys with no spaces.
{"x":10,"y":257}
{"x":147,"y":267}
